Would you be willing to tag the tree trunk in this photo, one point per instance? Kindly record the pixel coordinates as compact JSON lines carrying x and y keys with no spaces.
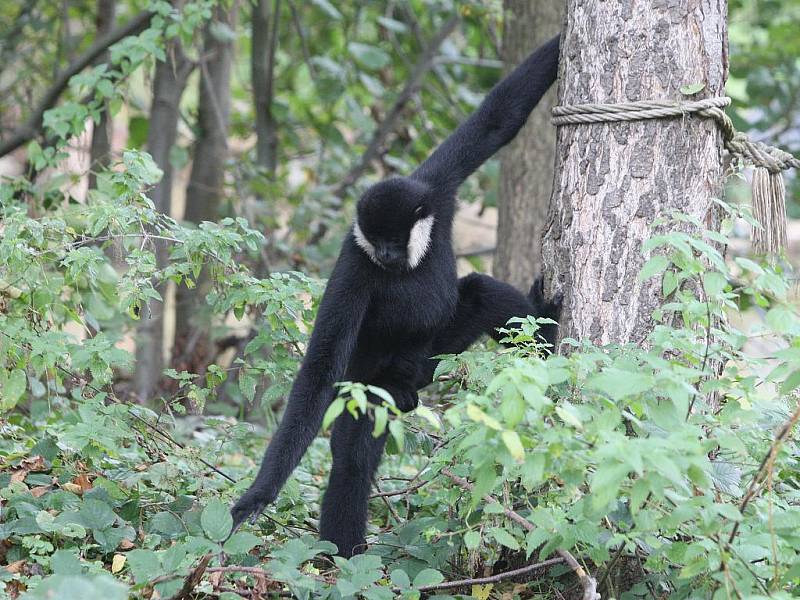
{"x":614,"y":179}
{"x":204,"y":190}
{"x":526,"y":166}
{"x":264,"y":42}
{"x":168,"y":85}
{"x":100,"y":153}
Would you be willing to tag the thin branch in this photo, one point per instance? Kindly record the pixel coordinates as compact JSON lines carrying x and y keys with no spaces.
{"x":766,"y":466}
{"x":404,"y":491}
{"x":588,"y":582}
{"x":30,"y":128}
{"x":448,"y":585}
{"x":194,"y":577}
{"x":312,"y":69}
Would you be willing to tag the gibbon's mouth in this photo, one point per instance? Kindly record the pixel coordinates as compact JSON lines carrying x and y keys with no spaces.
{"x":395,"y":266}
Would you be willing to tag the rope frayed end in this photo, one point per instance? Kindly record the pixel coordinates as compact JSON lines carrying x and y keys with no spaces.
{"x":769,"y":209}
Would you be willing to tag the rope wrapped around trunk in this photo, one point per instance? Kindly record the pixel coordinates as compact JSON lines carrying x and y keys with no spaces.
{"x":769,"y":193}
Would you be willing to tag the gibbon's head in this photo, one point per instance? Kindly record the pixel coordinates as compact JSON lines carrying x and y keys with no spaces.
{"x":394,"y":223}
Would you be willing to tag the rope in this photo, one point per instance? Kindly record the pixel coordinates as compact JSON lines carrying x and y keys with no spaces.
{"x":768,"y":191}
{"x":759,"y":154}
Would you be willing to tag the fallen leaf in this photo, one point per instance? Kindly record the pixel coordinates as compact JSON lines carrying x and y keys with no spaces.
{"x":117,"y":563}
{"x":125,"y":544}
{"x":33,"y":463}
{"x":16,"y":566}
{"x":72,"y":487}
{"x":40,"y":490}
{"x":83,"y":481}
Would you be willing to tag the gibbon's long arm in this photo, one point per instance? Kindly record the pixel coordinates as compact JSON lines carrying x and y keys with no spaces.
{"x":339,"y":319}
{"x":495,"y":122}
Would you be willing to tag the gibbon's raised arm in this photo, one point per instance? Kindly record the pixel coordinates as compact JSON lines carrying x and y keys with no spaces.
{"x":339,"y":318}
{"x":494,"y":123}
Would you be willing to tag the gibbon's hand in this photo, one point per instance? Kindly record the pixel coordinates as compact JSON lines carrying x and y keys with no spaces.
{"x":547,"y":308}
{"x":251,"y":504}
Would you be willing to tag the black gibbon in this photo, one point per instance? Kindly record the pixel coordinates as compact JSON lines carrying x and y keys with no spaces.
{"x":394,"y":301}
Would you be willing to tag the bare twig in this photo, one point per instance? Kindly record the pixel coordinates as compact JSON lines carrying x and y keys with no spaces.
{"x":29,"y":129}
{"x":448,"y":585}
{"x":589,"y":583}
{"x":193,"y":579}
{"x":404,"y":491}
{"x":766,"y":466}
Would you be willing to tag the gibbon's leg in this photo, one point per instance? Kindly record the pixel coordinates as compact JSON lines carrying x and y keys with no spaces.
{"x":356,"y":455}
{"x":484,"y":304}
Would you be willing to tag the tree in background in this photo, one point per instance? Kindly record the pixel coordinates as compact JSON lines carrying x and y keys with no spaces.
{"x":205,"y":190}
{"x":169,"y":83}
{"x":526,"y":167}
{"x":100,"y":153}
{"x":264,"y":22}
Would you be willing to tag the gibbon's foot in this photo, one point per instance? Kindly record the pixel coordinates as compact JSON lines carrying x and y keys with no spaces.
{"x":405,"y":400}
{"x":251,"y":504}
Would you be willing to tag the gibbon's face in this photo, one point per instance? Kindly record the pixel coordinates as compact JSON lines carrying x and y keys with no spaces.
{"x":394,"y":224}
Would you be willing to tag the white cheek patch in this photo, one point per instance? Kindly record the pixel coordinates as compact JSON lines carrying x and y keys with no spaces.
{"x":419,"y":241}
{"x":364,"y":244}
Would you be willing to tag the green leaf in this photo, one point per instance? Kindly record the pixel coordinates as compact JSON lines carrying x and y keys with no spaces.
{"x":618,"y":383}
{"x":396,"y":429}
{"x":714,"y":282}
{"x":692,"y":89}
{"x":428,"y":577}
{"x":477,"y":415}
{"x":791,"y":382}
{"x":167,"y":523}
{"x":514,"y":445}
{"x":392,"y":24}
{"x":400,"y":578}
{"x":334,"y":410}
{"x":329,"y":9}
{"x":381,"y":419}
{"x":96,"y":514}
{"x":144,"y":565}
{"x":653,"y":266}
{"x":569,"y":414}
{"x":504,"y":537}
{"x":430,"y":416}
{"x":216,"y":520}
{"x":370,"y":57}
{"x":669,"y":283}
{"x":241,"y":542}
{"x":78,"y":587}
{"x":12,"y":388}
{"x":472,"y":539}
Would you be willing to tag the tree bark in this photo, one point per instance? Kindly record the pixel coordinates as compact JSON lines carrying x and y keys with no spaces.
{"x":614,"y":179}
{"x":168,"y":85}
{"x":526,"y":165}
{"x":264,"y":41}
{"x":100,"y":153}
{"x":204,"y":191}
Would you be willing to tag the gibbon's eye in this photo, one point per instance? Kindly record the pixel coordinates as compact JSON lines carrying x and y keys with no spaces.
{"x":418,"y":210}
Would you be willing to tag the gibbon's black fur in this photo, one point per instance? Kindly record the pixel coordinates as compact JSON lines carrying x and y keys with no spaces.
{"x":394,"y":301}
